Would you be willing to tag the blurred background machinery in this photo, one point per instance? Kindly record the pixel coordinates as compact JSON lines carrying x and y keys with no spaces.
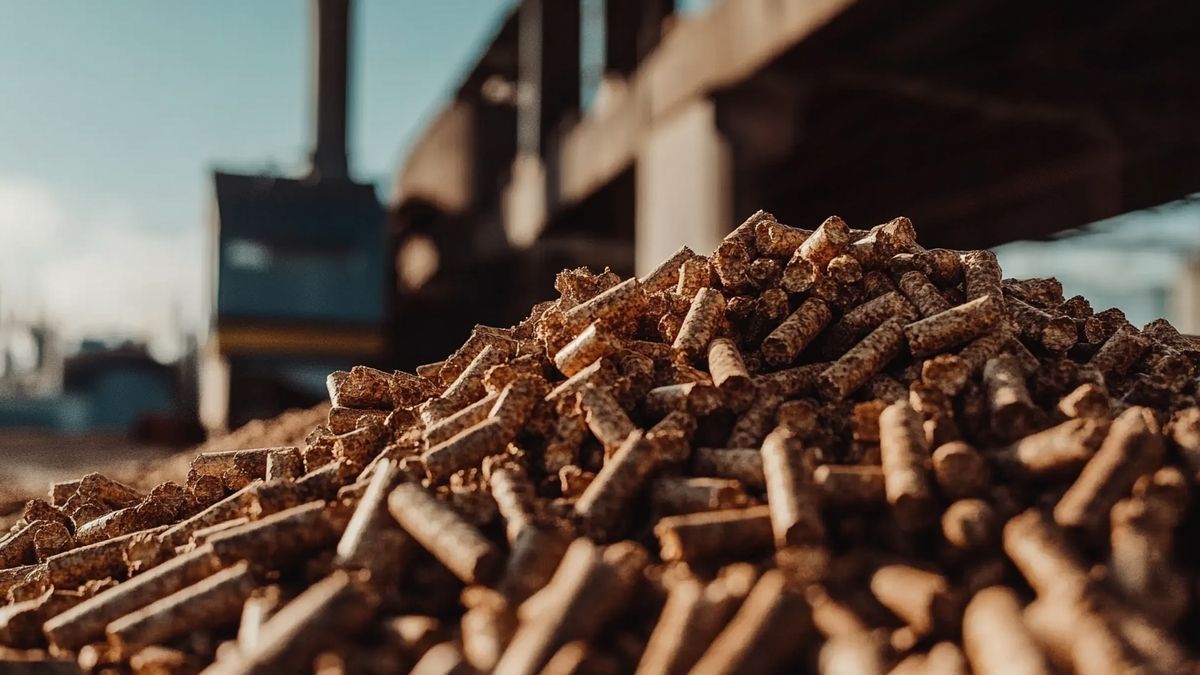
{"x":301,"y":265}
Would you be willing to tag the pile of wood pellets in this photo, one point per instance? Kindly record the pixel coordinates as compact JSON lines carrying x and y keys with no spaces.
{"x":826,"y":450}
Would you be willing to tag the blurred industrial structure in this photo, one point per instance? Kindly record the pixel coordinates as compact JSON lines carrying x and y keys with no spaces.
{"x":984,"y":121}
{"x":301,"y":273}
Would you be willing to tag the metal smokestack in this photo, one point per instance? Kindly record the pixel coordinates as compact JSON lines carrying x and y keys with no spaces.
{"x":331,"y":26}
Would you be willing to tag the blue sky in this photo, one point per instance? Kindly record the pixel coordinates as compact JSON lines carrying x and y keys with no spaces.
{"x":113,"y":113}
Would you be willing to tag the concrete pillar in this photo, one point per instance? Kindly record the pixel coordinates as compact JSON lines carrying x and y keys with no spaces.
{"x":684,"y":186}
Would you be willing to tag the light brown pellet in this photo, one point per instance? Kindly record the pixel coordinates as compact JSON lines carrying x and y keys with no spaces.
{"x":588,"y":589}
{"x":796,"y":332}
{"x":772,"y":625}
{"x":372,"y":540}
{"x":777,"y":240}
{"x":608,"y":498}
{"x":209,"y":603}
{"x":791,"y":495}
{"x":591,"y":344}
{"x":693,"y":615}
{"x":468,"y":386}
{"x":850,"y":486}
{"x":1061,"y":450}
{"x":961,"y":471}
{"x":995,"y":637}
{"x":905,"y":456}
{"x":284,"y":463}
{"x":970,"y":525}
{"x":1134,"y":446}
{"x":715,"y":534}
{"x":1119,"y":353}
{"x":604,"y":416}
{"x":86,"y":621}
{"x":864,"y":360}
{"x":444,"y":533}
{"x":953,"y":327}
{"x":924,"y":600}
{"x":694,"y":274}
{"x":336,"y":606}
{"x":752,"y":426}
{"x":615,"y":304}
{"x":465,"y":450}
{"x":696,"y":398}
{"x":921,"y":292}
{"x":449,"y":427}
{"x":666,"y":275}
{"x":729,"y":374}
{"x":1012,"y":411}
{"x":287,"y":533}
{"x":700,"y":324}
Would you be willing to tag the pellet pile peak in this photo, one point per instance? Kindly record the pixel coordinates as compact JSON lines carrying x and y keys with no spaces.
{"x":829,"y":450}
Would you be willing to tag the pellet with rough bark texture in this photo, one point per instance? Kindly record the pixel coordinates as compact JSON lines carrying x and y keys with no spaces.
{"x":791,"y":495}
{"x":905,"y":456}
{"x":864,"y":360}
{"x":443,"y":532}
{"x":790,"y":338}
{"x":465,"y":450}
{"x":666,"y":275}
{"x":700,"y":325}
{"x":591,"y":344}
{"x":953,"y":327}
{"x":740,"y":464}
{"x":608,"y":498}
{"x":604,"y":416}
{"x":1012,"y":410}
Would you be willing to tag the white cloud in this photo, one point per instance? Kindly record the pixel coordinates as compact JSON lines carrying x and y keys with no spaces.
{"x":97,"y":271}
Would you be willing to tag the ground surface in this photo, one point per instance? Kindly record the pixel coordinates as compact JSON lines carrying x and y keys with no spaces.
{"x":30,"y":460}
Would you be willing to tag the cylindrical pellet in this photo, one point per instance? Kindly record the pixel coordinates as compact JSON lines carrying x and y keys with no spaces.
{"x":1012,"y":410}
{"x":673,"y":495}
{"x":515,"y":496}
{"x":444,"y":533}
{"x":715,"y":534}
{"x":1060,"y":450}
{"x":85,"y":622}
{"x":729,"y":374}
{"x":953,"y":327}
{"x":905,"y":456}
{"x":468,"y":386}
{"x":284,"y":463}
{"x":921,"y":292}
{"x":970,"y":525}
{"x":863,"y":361}
{"x":666,"y":275}
{"x":604,"y":416}
{"x":995,"y":637}
{"x":590,"y":586}
{"x":741,"y":464}
{"x":790,"y":338}
{"x":850,"y":486}
{"x":923,"y":599}
{"x":272,"y":540}
{"x":960,"y":470}
{"x":591,"y":344}
{"x":607,"y":499}
{"x":693,"y":616}
{"x":372,"y":540}
{"x":772,"y":625}
{"x":791,"y":495}
{"x":1134,"y":446}
{"x":466,"y":450}
{"x":700,"y":325}
{"x":209,"y":603}
{"x":324,"y":613}
{"x":753,"y":424}
{"x":982,"y":275}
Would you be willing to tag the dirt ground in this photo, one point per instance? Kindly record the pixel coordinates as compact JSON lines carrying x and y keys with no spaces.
{"x":31,"y":460}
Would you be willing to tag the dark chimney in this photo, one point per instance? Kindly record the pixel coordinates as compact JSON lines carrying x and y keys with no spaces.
{"x":331,"y":25}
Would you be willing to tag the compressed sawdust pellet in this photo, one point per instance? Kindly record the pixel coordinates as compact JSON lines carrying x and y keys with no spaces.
{"x":955,"y":462}
{"x":453,"y":541}
{"x":952,"y":327}
{"x":790,"y":338}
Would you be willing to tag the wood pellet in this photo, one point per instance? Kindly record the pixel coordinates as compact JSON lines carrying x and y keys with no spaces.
{"x":819,"y":449}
